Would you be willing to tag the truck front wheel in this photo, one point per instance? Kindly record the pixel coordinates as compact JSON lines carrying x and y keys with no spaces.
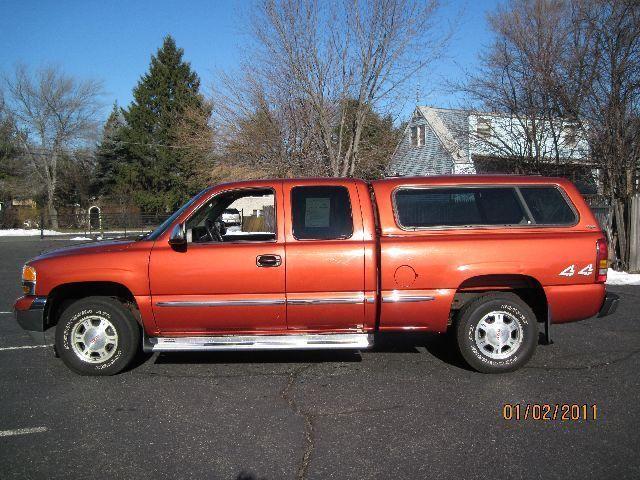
{"x":97,"y":336}
{"x":497,"y":333}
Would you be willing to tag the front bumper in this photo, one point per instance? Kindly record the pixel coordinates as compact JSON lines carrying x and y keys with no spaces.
{"x":30,"y":313}
{"x":609,"y":305}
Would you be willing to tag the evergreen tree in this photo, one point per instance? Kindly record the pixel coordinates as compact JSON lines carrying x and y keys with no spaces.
{"x":165,"y":100}
{"x":9,"y":155}
{"x":8,"y":147}
{"x":111,"y":155}
{"x":76,"y":179}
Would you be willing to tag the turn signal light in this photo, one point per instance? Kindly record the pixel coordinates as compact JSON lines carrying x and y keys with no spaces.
{"x":28,"y":274}
{"x":28,"y":280}
{"x":602,"y":260}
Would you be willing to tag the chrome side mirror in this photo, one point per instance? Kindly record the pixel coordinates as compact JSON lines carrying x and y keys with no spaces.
{"x":178,"y":237}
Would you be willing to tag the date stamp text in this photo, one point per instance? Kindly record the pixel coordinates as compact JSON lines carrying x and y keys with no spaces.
{"x":563,"y":412}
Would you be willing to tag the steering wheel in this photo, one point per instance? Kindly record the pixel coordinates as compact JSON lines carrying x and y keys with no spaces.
{"x":214,"y":229}
{"x":221,"y":226}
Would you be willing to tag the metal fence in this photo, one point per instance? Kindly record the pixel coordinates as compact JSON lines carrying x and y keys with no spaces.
{"x":602,"y":210}
{"x":99,"y":225}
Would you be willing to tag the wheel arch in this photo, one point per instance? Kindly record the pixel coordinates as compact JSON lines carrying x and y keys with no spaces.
{"x":63,"y":295}
{"x":528,"y":288}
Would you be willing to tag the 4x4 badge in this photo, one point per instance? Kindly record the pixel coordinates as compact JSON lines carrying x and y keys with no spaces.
{"x":571,"y":270}
{"x":586,"y":271}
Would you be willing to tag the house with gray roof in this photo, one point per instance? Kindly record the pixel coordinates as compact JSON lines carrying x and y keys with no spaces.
{"x":440,"y":141}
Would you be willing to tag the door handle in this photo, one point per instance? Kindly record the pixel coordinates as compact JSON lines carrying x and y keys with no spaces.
{"x":268,"y":260}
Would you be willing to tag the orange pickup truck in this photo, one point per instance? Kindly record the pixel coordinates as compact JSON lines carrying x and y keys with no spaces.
{"x":330,"y":264}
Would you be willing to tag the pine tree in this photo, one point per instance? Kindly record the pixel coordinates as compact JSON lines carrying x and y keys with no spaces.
{"x":111,"y":154}
{"x":9,"y":157}
{"x":165,"y":100}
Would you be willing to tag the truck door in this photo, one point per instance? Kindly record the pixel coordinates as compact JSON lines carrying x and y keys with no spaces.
{"x":231,"y":276}
{"x":325,"y":257}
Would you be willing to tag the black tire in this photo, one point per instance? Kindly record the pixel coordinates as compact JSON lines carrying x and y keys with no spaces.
{"x":484,"y":352}
{"x":120,"y":343}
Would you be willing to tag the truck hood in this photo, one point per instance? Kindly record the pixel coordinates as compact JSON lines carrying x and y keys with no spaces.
{"x":86,"y":249}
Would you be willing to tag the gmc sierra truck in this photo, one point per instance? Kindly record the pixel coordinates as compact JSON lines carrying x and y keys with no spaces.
{"x":330,"y":264}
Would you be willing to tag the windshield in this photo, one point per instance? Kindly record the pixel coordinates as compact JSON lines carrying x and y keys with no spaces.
{"x":164,"y":225}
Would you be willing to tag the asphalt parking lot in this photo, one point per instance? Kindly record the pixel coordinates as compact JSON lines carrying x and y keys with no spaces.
{"x":409,"y":409}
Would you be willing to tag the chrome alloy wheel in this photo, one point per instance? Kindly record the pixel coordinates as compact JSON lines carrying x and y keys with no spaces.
{"x":498,"y":335}
{"x":94,"y":339}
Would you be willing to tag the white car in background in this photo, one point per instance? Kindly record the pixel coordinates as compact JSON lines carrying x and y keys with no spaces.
{"x":232,"y":220}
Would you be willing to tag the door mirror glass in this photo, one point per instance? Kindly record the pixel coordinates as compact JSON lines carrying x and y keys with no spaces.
{"x":178,"y":236}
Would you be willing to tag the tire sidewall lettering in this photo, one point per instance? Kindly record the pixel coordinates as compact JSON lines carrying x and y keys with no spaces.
{"x":78,"y":317}
{"x":471,"y":327}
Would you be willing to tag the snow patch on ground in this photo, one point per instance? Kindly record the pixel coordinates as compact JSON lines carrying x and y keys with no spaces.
{"x":81,"y":239}
{"x":622,"y":278}
{"x":26,"y":232}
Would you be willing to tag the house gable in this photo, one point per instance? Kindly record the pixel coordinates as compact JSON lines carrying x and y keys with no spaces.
{"x":456,"y":141}
{"x":432,"y":158}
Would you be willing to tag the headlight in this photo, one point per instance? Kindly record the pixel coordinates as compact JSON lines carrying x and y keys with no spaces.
{"x":29,"y":280}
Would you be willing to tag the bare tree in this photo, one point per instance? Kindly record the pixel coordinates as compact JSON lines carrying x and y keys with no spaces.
{"x":611,"y":104}
{"x":54,"y":113}
{"x":264,"y":133}
{"x":516,"y":86}
{"x":566,"y":73}
{"x":320,"y":67}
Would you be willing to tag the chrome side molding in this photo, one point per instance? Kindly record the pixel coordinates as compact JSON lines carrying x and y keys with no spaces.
{"x":224,"y":303}
{"x":357,"y":299}
{"x":396,"y":296}
{"x":399,"y":297}
{"x":326,"y":301}
{"x":335,"y":341}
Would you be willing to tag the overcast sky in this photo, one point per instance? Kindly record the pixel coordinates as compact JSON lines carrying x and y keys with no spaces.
{"x":113,"y":40}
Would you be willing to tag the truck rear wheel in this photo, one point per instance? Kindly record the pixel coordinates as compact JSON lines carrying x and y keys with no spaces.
{"x":497,"y":333}
{"x":97,"y":336}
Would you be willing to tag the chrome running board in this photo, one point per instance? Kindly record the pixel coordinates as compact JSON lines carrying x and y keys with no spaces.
{"x":259,"y":342}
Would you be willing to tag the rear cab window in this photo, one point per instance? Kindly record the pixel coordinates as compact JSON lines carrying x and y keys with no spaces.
{"x":321,"y":213}
{"x":481,"y":206}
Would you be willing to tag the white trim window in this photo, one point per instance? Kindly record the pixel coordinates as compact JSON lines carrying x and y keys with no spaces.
{"x":483,"y":127}
{"x":418,"y":135}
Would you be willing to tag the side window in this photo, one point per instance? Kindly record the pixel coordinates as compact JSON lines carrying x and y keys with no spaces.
{"x":458,"y":207}
{"x":321,"y":213}
{"x":251,"y":214}
{"x":416,"y":208}
{"x":548,"y":206}
{"x":501,"y":206}
{"x":236,"y":216}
